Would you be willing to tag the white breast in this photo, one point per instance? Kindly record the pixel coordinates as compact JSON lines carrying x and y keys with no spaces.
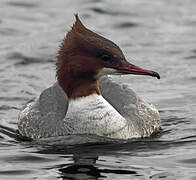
{"x":94,"y":115}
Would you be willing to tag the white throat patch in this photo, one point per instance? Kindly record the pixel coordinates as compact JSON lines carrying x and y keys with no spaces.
{"x":106,"y":71}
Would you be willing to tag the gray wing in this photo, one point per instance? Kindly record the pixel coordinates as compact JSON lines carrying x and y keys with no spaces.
{"x":43,"y":117}
{"x":143,"y":116}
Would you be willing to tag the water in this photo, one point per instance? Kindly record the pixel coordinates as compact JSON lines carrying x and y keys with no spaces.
{"x":155,"y":34}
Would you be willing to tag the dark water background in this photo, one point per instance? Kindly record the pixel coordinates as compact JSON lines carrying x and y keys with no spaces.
{"x":155,"y":34}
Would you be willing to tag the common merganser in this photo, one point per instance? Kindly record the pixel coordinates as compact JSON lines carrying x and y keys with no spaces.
{"x":80,"y":104}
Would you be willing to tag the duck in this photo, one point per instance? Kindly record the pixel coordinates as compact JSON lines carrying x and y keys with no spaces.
{"x":85,"y":100}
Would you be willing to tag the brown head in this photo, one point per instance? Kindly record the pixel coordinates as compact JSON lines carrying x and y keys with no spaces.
{"x":84,"y":56}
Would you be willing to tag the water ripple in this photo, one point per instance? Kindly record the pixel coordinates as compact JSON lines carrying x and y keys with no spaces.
{"x":16,"y":98}
{"x":27,"y":60}
{"x":12,"y":32}
{"x":15,"y":172}
{"x":23,"y":4}
{"x":4,"y":107}
{"x":108,"y":12}
{"x":191,"y":57}
{"x":127,"y":25}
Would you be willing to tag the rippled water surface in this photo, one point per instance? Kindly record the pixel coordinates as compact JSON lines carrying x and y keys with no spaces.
{"x":155,"y":34}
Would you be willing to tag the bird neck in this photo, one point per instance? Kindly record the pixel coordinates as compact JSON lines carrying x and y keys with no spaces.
{"x":76,"y":87}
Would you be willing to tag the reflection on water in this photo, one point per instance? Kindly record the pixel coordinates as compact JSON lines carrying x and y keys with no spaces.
{"x":84,"y":168}
{"x":157,"y":35}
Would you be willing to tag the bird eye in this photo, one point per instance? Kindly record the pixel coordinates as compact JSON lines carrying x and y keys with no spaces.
{"x":105,"y":57}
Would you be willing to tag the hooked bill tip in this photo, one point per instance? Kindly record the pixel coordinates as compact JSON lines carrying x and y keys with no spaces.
{"x":155,"y":74}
